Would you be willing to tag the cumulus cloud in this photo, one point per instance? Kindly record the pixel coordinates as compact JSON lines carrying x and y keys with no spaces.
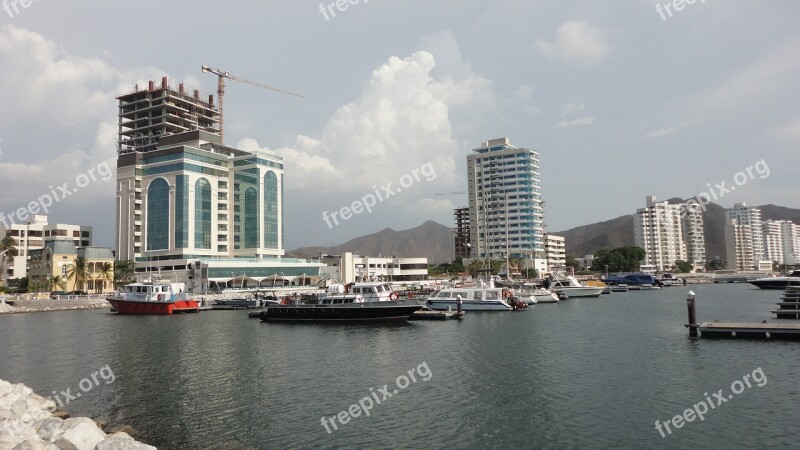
{"x":398,"y":122}
{"x":572,"y":108}
{"x":579,"y":122}
{"x":576,"y":43}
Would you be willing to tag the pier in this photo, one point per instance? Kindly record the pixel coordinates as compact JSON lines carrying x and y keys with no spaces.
{"x":744,"y":330}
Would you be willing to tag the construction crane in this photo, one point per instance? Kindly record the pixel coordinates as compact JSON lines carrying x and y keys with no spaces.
{"x":222,"y":74}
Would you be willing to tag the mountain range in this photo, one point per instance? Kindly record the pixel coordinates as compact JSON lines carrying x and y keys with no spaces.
{"x":435,"y":241}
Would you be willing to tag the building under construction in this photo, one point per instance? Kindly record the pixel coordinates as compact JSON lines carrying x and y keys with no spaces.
{"x":190,"y":207}
{"x":146,"y":115}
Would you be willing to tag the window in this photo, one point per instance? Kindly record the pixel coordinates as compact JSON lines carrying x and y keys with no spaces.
{"x":158,"y":215}
{"x":202,"y":214}
{"x":270,"y":210}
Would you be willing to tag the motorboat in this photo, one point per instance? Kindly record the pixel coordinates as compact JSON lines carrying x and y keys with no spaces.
{"x":793,"y":279}
{"x":485,"y":297}
{"x":153,"y":298}
{"x":361,"y":302}
{"x":568,"y":286}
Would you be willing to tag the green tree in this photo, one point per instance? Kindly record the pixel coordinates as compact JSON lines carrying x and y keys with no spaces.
{"x":123,"y":272}
{"x":683,"y":266}
{"x":620,"y":259}
{"x":78,"y":272}
{"x":106,"y":275}
{"x":475,"y":267}
{"x":57,"y":282}
{"x":8,"y":250}
{"x":572,"y":262}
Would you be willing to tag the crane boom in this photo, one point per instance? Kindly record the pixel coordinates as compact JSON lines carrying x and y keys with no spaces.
{"x":222,"y":74}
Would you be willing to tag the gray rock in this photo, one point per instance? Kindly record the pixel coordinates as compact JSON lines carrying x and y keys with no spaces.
{"x":51,"y":428}
{"x":80,"y":436}
{"x":123,"y":444}
{"x":35,"y":444}
{"x":120,"y":435}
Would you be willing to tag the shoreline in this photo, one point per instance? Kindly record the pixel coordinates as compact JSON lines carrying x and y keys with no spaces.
{"x":34,"y":306}
{"x":28,"y":420}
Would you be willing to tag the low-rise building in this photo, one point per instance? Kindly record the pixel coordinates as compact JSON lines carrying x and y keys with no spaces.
{"x":556,"y":251}
{"x":349,"y":268}
{"x":61,"y":266}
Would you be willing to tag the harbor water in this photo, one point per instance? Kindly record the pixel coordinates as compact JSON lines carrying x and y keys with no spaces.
{"x":594,"y":373}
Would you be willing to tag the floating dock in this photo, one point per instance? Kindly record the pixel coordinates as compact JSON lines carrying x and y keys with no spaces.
{"x":437,"y":315}
{"x":764,"y":330}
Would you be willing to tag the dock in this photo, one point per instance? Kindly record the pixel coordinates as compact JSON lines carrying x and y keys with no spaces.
{"x":437,"y":315}
{"x":763,"y":330}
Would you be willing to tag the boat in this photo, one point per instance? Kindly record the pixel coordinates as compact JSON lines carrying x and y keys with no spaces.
{"x":485,"y":297}
{"x":153,"y":298}
{"x":567,"y":286}
{"x":793,"y":279}
{"x":633,"y":280}
{"x":540,"y":295}
{"x":361,"y":302}
{"x":618,"y":287}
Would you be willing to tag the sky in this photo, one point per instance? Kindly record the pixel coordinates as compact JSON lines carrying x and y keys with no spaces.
{"x":620,"y":100}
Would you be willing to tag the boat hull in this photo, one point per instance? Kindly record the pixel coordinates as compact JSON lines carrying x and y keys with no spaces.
{"x":153,"y":308}
{"x":468,"y":305}
{"x":775,"y":283}
{"x":577,"y":292}
{"x":363,"y":312}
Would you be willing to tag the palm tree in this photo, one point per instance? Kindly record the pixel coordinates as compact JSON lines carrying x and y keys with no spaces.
{"x":123,"y":272}
{"x":57,"y":281}
{"x":516,"y":262}
{"x":106,"y":271}
{"x":8,"y":250}
{"x":78,"y":272}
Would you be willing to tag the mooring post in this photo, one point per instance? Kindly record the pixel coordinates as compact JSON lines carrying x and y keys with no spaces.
{"x":458,"y":304}
{"x":690,"y":302}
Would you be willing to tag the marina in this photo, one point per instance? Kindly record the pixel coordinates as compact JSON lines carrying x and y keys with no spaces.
{"x":591,"y":339}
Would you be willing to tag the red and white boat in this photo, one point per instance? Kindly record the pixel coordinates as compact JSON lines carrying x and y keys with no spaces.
{"x":153,"y":297}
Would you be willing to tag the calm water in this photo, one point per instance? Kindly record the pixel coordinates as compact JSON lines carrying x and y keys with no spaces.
{"x":583,"y":373}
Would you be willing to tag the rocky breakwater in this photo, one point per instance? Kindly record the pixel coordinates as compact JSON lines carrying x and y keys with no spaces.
{"x":77,"y":304}
{"x":31,"y":422}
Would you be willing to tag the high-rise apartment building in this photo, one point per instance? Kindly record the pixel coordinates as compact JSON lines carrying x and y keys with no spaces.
{"x":772,"y":230}
{"x":658,"y":229}
{"x":505,"y":203}
{"x":790,"y":239}
{"x":694,"y":236}
{"x":744,"y":238}
{"x":461,"y":233}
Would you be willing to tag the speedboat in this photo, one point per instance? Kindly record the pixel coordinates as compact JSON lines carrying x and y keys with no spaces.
{"x":153,"y":297}
{"x":793,"y":279}
{"x":540,"y":295}
{"x":570,"y":287}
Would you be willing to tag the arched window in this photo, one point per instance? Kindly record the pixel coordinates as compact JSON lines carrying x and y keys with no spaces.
{"x":158,"y":215}
{"x":202,"y":214}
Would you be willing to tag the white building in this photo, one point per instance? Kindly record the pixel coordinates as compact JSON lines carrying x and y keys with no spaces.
{"x":772,"y":231}
{"x":744,"y":238}
{"x":658,"y":230}
{"x":694,"y":237}
{"x":505,"y":203}
{"x":31,"y":235}
{"x":790,"y":237}
{"x":349,"y":268}
{"x":556,"y":250}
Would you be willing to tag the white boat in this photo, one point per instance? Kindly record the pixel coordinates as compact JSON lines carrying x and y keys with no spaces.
{"x":538,"y":296}
{"x":569,"y":287}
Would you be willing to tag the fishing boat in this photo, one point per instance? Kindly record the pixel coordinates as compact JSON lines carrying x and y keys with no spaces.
{"x":153,"y":298}
{"x":361,"y":302}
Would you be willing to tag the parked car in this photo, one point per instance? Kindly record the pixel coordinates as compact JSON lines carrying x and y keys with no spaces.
{"x":54,"y":295}
{"x":84,"y":293}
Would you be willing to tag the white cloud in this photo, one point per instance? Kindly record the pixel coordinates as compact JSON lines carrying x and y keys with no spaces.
{"x":579,"y":122}
{"x":663,"y":132}
{"x":399,"y":122}
{"x":572,"y":108}
{"x":576,"y":43}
